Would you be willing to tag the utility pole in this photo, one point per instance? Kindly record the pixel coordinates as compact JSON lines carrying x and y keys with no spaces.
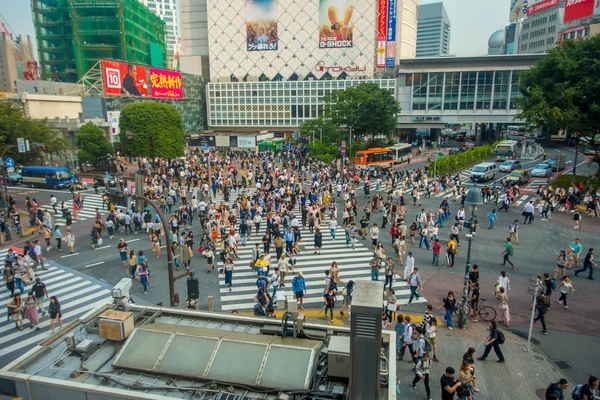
{"x":321,"y":139}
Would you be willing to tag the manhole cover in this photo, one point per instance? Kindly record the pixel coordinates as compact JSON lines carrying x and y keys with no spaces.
{"x":563,"y":364}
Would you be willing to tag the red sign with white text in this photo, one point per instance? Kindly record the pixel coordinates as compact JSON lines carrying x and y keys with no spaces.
{"x":541,"y":6}
{"x":381,"y":32}
{"x":576,"y":9}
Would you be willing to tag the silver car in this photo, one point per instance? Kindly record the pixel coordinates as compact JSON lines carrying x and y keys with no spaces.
{"x":510,"y":165}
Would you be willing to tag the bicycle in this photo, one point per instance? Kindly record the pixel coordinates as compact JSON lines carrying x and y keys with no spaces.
{"x":486,"y":313}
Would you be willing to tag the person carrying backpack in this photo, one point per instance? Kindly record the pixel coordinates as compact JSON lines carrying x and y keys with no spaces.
{"x":422,"y":368}
{"x":543,"y":304}
{"x":556,"y":390}
{"x":586,"y":391}
{"x":495,"y":339}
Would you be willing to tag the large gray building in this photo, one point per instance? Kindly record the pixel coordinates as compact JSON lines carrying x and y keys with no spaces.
{"x":194,"y":58}
{"x":539,"y":30}
{"x":433,"y":31}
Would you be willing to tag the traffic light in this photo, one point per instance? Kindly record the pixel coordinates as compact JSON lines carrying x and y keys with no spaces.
{"x":193,"y":288}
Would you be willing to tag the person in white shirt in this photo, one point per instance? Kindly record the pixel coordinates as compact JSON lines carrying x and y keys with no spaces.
{"x":275,"y":283}
{"x":410,"y":265}
{"x":528,"y":210}
{"x":374,"y":235}
{"x":503,"y":282}
{"x":332,"y":227}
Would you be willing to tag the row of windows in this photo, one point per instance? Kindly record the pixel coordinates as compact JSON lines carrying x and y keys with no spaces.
{"x":255,"y":122}
{"x":483,"y":90}
{"x":341,"y":84}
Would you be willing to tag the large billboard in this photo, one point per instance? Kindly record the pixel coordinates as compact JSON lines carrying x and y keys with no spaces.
{"x":335,"y":24}
{"x":518,"y":9}
{"x":124,"y":79}
{"x":391,"y":34}
{"x":165,"y":84}
{"x":381,"y":32}
{"x":541,"y":6}
{"x":261,"y":25}
{"x":576,"y":9}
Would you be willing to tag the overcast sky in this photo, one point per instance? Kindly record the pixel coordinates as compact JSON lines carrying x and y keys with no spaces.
{"x":473,"y":21}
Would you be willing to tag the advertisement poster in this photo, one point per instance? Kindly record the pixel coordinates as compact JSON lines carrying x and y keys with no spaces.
{"x":112,"y":117}
{"x":124,"y":79}
{"x":391,"y":34}
{"x":261,"y":25}
{"x":335,"y":24}
{"x":381,"y":32}
{"x":541,"y":6}
{"x":246,"y":142}
{"x":518,"y":9}
{"x":165,"y":84}
{"x":576,"y":9}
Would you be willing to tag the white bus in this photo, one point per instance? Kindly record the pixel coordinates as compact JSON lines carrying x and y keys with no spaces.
{"x":506,"y":150}
{"x":402,"y":152}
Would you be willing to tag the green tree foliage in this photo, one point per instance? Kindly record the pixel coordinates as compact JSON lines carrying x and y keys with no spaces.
{"x":562,"y":91}
{"x":42,"y":139}
{"x":322,"y":151}
{"x":92,"y":144}
{"x":458,"y":161}
{"x":156,"y":128}
{"x":367,"y":109}
{"x":331,"y":134}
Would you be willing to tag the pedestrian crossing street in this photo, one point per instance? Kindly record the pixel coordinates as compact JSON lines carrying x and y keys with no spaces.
{"x":90,"y":203}
{"x":76,"y":293}
{"x":352,"y":264}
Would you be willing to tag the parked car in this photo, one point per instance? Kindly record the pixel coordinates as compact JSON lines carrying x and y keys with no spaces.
{"x":436,"y":156}
{"x":510,"y":165}
{"x":518,"y":176}
{"x":14,"y":178}
{"x":542,"y":170}
{"x":470,"y":145}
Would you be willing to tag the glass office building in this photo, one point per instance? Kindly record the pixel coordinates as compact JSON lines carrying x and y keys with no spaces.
{"x":275,"y":104}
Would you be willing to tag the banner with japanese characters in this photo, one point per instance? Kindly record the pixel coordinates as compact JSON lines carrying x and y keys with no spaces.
{"x":261,"y":25}
{"x":335,"y":24}
{"x":165,"y":84}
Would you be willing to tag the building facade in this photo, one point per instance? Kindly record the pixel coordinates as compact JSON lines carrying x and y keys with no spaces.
{"x":433,"y":31}
{"x":16,"y":61}
{"x":168,"y":12}
{"x":539,"y":30}
{"x":274,"y":104}
{"x":194,"y":55}
{"x":73,"y":35}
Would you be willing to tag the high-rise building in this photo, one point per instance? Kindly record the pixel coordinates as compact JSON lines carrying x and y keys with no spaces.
{"x":168,"y":12}
{"x":16,"y":61}
{"x":73,"y":35}
{"x":433,"y":31}
{"x":539,"y":30}
{"x":8,"y":65}
{"x":193,"y":58}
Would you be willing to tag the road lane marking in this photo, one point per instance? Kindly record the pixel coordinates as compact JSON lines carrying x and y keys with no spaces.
{"x":69,"y":255}
{"x":103,"y":247}
{"x":94,"y":264}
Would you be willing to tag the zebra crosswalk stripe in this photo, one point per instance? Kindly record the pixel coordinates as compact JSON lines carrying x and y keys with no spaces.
{"x":76,"y":294}
{"x":352,"y":264}
{"x":90,"y":203}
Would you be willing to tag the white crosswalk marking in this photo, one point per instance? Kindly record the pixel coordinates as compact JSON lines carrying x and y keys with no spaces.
{"x":352,"y":264}
{"x":90,"y":203}
{"x":76,"y":294}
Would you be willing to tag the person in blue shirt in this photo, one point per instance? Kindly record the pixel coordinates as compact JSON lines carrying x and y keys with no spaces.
{"x":289,"y":240}
{"x":492,"y":217}
{"x":299,"y":289}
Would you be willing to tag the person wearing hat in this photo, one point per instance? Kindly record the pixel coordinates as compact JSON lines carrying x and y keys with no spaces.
{"x":556,"y":390}
{"x":299,"y":289}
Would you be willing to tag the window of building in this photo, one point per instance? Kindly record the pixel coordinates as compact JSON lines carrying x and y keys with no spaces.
{"x":467,"y":90}
{"x":514,"y":89}
{"x":436,"y":85}
{"x":501,"y":84}
{"x":451,"y":90}
{"x":484,"y":90}
{"x":419,"y":92}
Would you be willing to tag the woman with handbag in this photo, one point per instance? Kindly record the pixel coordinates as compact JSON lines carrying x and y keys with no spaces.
{"x":466,"y":391}
{"x":15,"y":306}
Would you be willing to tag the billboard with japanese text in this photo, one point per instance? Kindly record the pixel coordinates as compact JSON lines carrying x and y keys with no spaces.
{"x":381,"y":32}
{"x":335,"y":24}
{"x":165,"y":84}
{"x":391,"y":34}
{"x":576,"y":9}
{"x":124,"y":79}
{"x":261,"y":25}
{"x":541,"y":6}
{"x":518,"y":10}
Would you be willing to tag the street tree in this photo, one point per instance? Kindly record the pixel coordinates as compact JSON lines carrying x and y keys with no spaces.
{"x":93,"y":144}
{"x":562,"y":91}
{"x":151,"y":129}
{"x":367,"y":109}
{"x":330,"y":133}
{"x":43,"y":141}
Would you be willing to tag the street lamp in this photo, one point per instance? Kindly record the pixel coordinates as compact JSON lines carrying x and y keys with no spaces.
{"x":473,"y":200}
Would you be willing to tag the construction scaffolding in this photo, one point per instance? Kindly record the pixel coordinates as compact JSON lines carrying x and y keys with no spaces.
{"x":73,"y":35}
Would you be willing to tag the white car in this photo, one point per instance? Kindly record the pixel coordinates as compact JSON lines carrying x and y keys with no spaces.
{"x":542,"y":170}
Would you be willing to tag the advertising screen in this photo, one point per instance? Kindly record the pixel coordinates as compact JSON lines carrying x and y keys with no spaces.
{"x":124,"y":79}
{"x":335,"y":24}
{"x":391,"y":34}
{"x":518,"y":9}
{"x":261,"y":25}
{"x":381,"y":32}
{"x":165,"y":84}
{"x":576,"y":9}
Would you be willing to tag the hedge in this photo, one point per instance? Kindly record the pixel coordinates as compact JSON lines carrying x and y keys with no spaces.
{"x":564,"y":181}
{"x":455,"y":162}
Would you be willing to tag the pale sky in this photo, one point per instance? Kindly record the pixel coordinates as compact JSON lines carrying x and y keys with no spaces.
{"x":473,"y":21}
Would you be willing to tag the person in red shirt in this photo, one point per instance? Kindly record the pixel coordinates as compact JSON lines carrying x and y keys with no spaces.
{"x":437,"y":250}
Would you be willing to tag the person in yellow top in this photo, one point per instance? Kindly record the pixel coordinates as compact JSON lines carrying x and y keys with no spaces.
{"x":260,"y":265}
{"x":450,"y":252}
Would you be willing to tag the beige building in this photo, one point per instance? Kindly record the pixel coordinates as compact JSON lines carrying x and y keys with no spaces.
{"x":406,"y":29}
{"x":8,"y":65}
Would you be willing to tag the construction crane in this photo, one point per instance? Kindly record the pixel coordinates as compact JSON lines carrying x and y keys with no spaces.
{"x":25,"y":60}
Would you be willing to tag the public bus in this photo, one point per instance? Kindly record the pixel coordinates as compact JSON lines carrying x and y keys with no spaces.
{"x":506,"y":150}
{"x":54,"y":177}
{"x":401,"y":152}
{"x":378,"y":157}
